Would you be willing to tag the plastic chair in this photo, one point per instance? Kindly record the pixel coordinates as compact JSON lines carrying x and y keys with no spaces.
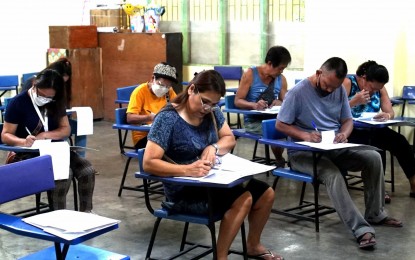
{"x":241,"y":132}
{"x":231,"y":73}
{"x":310,"y":211}
{"x":207,"y":220}
{"x":39,"y":205}
{"x":121,"y":125}
{"x":26,"y":76}
{"x":8,"y":83}
{"x":21,"y":182}
{"x":123,"y":95}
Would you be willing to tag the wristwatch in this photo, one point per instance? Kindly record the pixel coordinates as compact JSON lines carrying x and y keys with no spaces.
{"x":216,"y":147}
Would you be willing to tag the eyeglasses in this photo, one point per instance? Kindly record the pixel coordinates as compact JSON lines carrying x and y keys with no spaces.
{"x":205,"y":106}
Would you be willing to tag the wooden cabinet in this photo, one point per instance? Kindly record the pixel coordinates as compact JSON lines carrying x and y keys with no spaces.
{"x":86,"y":87}
{"x":129,"y":59}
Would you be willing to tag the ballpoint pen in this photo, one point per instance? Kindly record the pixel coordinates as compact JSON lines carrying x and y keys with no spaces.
{"x":27,"y":130}
{"x":314,"y":125}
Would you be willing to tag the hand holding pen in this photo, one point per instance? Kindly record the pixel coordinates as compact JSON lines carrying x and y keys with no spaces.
{"x":314,"y":136}
{"x":261,"y":104}
{"x":30,"y":139}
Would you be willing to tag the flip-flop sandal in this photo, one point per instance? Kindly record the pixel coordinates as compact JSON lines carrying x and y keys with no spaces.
{"x":266,"y":254}
{"x":389,"y":222}
{"x":366,"y":243}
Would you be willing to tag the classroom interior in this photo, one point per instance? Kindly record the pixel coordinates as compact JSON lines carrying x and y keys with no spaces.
{"x":354,"y":30}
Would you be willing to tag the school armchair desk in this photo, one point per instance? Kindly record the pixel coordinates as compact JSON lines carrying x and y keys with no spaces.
{"x":310,"y":211}
{"x":20,"y":183}
{"x":207,"y":219}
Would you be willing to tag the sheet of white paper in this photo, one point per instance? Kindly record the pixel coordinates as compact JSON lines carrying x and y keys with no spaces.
{"x":329,"y":146}
{"x":271,"y":110}
{"x":39,"y":143}
{"x":373,"y":122}
{"x":84,"y":118}
{"x":231,"y":169}
{"x":327,"y":137}
{"x":59,"y":151}
{"x":69,"y":224}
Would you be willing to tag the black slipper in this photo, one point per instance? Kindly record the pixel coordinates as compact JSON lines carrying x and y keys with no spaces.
{"x":412,"y":194}
{"x":366,"y":243}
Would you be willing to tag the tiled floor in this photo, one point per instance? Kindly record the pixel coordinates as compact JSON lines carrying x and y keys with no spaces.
{"x":290,"y":238}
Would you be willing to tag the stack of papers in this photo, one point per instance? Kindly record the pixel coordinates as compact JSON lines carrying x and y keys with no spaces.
{"x":327,"y":139}
{"x":231,"y":169}
{"x":271,"y":110}
{"x":367,"y":117}
{"x":69,"y":224}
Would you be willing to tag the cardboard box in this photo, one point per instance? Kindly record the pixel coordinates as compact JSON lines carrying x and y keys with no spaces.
{"x":73,"y":37}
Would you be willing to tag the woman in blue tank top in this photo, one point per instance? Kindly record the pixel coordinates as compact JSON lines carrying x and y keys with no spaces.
{"x":367,"y":93}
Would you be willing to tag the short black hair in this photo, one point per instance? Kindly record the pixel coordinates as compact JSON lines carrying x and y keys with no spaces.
{"x":336,"y":64}
{"x":278,"y":55}
{"x":373,"y":72}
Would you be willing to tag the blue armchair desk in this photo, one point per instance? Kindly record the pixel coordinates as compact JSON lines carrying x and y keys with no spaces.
{"x":208,"y":220}
{"x":310,"y":211}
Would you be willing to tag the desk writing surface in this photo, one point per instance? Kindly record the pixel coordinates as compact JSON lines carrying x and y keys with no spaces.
{"x":247,"y":112}
{"x":69,"y":224}
{"x":231,"y":169}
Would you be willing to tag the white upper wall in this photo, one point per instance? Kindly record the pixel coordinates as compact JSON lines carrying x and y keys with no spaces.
{"x":24,"y":27}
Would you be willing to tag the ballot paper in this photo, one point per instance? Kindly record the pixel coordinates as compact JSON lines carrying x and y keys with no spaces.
{"x":84,"y":118}
{"x":270,"y":110}
{"x":230,"y":169}
{"x":69,"y":224}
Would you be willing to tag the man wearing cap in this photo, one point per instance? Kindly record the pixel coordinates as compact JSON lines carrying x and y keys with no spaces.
{"x":148,"y":98}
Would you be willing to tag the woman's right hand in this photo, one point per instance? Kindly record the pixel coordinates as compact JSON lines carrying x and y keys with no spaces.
{"x":199,"y":168}
{"x":30,"y":139}
{"x":362,"y":97}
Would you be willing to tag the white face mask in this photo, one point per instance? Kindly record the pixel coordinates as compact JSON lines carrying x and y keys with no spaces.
{"x":39,"y":100}
{"x":158,"y":90}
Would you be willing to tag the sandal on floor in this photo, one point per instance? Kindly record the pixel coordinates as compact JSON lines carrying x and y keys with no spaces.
{"x":366,"y":241}
{"x":387,"y":198}
{"x":412,"y":194}
{"x":266,"y":255}
{"x":389,"y":222}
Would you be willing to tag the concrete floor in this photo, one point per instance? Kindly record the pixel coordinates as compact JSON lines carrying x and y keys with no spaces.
{"x":286,"y":236}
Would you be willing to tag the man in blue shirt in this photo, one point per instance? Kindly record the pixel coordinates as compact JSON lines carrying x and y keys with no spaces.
{"x":320,"y":102}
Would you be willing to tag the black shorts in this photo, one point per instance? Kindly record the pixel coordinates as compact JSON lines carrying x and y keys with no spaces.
{"x":223,"y":198}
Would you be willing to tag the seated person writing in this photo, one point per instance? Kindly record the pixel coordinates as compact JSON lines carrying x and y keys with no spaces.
{"x":148,"y":98}
{"x":41,"y":111}
{"x":367,"y":93}
{"x":321,"y":99}
{"x":184,"y":140}
{"x":262,"y":87}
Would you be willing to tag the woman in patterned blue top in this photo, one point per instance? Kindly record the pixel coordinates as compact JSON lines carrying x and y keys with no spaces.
{"x":183,"y":141}
{"x":367,"y":94}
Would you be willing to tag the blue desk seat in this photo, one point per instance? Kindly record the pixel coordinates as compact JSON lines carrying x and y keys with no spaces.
{"x":21,"y":183}
{"x":77,"y":252}
{"x":205,"y":219}
{"x":8,"y":83}
{"x":123,"y":95}
{"x":310,"y":211}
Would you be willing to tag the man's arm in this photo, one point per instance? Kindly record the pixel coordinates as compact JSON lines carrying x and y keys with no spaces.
{"x":296,"y":133}
{"x":283,"y":91}
{"x":240,"y":98}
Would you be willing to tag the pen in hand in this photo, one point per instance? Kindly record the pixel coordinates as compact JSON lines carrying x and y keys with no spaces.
{"x":27,"y":130}
{"x":314,"y":125}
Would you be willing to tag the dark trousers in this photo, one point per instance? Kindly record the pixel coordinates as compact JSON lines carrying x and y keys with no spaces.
{"x":388,"y":140}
